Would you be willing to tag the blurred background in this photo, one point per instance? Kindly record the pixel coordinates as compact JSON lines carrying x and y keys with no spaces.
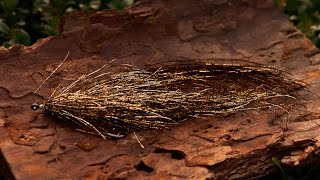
{"x":305,"y":14}
{"x":26,"y":21}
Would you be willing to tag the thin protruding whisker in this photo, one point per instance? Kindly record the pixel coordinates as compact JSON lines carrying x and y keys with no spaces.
{"x":84,"y":122}
{"x":95,"y":71}
{"x":55,"y":90}
{"x":100,"y":75}
{"x":72,"y":84}
{"x":135,"y":135}
{"x":155,"y":72}
{"x":52,"y":72}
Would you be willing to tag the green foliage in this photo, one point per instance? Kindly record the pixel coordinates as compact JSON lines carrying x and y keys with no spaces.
{"x":277,"y":162}
{"x":300,"y":173}
{"x":26,"y":21}
{"x":305,"y":14}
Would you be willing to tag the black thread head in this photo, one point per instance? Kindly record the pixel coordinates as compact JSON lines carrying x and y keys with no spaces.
{"x":35,"y":106}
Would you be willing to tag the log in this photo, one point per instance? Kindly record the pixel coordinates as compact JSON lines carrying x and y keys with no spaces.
{"x":237,"y":146}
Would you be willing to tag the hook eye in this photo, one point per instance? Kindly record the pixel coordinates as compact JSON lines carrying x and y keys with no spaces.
{"x":35,"y":106}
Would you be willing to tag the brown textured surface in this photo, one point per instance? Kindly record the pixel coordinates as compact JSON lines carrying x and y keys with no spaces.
{"x":236,"y":146}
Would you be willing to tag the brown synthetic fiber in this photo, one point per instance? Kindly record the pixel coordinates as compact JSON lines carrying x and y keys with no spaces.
{"x":139,"y":99}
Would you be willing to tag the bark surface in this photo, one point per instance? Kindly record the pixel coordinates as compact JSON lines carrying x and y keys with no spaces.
{"x":238,"y":146}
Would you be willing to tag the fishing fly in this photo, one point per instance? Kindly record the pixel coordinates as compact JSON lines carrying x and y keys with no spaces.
{"x":112,"y":105}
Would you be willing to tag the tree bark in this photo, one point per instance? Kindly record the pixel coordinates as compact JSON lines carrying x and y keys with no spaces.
{"x":238,"y":146}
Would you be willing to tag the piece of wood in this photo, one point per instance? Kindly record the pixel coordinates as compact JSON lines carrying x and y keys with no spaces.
{"x":238,"y":146}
